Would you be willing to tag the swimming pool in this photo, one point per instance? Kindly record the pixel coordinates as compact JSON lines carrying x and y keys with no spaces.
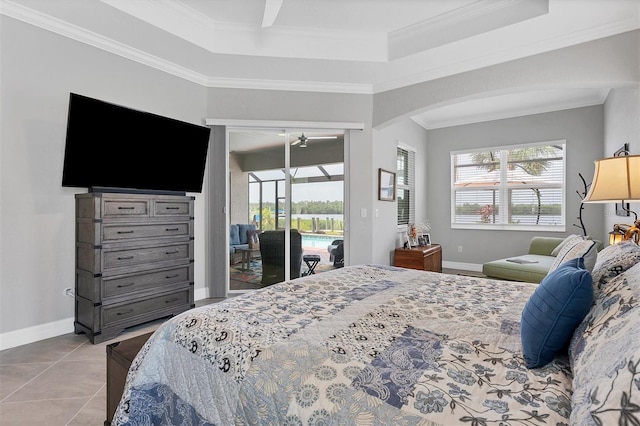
{"x":318,"y":240}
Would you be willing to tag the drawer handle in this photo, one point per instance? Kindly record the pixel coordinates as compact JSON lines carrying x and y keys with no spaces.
{"x":125,"y":208}
{"x":168,"y":277}
{"x":172,"y":229}
{"x":126,"y":232}
{"x":125,"y":258}
{"x":125,"y":285}
{"x":125,"y":312}
{"x":171,"y":300}
{"x":171,"y":252}
{"x":172,"y":208}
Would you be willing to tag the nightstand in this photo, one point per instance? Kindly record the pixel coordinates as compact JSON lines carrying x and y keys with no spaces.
{"x":426,"y":258}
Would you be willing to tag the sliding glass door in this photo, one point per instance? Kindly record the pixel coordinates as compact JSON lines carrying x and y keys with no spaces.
{"x":286,"y":189}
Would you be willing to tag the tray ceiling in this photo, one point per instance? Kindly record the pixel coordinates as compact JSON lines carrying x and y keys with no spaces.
{"x":347,"y":46}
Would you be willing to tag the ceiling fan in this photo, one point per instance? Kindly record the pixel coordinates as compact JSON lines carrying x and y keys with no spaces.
{"x":301,"y":142}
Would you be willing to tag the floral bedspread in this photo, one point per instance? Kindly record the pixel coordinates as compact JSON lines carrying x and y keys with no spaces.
{"x":362,"y":345}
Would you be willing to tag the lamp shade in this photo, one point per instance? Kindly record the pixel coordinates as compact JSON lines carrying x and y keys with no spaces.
{"x":615,"y":179}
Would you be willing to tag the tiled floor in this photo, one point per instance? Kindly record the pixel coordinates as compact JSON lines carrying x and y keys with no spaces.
{"x":59,"y":381}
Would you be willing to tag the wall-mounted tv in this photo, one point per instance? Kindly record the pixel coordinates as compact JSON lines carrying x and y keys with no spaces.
{"x":113,"y":147}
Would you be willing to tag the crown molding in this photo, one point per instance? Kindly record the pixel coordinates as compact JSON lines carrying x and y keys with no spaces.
{"x":397,"y":76}
{"x":299,"y":86}
{"x":481,"y":61}
{"x":90,"y":38}
{"x":467,"y":21}
{"x":176,"y":17}
{"x":595,"y":99}
{"x":73,"y":32}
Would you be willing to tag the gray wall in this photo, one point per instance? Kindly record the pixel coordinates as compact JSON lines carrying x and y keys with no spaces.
{"x":608,"y":62}
{"x":621,"y":125}
{"x":582,"y":128}
{"x":39,"y":70}
{"x":387,"y":236}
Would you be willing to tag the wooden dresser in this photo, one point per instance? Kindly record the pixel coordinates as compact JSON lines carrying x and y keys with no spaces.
{"x":134,"y":260}
{"x":427,"y":258}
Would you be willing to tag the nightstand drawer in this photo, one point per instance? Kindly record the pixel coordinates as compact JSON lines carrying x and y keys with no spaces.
{"x":112,"y":233}
{"x":145,"y":281}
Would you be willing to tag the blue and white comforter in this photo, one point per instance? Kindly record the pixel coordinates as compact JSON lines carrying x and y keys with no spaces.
{"x":362,"y":345}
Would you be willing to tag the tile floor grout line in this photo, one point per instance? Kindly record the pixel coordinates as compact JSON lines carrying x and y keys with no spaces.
{"x":87,"y":403}
{"x":46,"y":399}
{"x":4,"y":400}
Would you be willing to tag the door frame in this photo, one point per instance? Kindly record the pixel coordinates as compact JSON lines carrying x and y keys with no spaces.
{"x":216,"y":223}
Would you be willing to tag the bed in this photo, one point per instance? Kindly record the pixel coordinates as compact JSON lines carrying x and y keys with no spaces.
{"x":379,"y":345}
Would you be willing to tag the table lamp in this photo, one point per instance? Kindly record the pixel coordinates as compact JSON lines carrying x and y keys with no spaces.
{"x":617,"y":179}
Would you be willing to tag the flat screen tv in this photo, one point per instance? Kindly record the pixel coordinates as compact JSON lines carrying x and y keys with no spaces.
{"x":113,"y":147}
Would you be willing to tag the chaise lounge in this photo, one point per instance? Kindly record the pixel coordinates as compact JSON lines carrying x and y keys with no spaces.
{"x":533,"y":266}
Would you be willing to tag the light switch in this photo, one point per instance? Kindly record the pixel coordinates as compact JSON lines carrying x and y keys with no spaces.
{"x":363,"y":213}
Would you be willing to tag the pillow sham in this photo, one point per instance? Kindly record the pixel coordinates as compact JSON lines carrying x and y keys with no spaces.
{"x":605,"y":355}
{"x":553,"y":312}
{"x":562,"y":244}
{"x":613,"y":261}
{"x":574,"y":248}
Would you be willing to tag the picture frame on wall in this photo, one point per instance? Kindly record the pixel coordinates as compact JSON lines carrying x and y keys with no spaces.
{"x":386,"y":185}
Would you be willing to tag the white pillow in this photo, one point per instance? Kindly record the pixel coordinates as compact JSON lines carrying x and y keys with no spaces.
{"x":577,"y":247}
{"x":563,"y":243}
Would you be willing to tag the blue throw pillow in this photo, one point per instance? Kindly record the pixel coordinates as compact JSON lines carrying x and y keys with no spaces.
{"x":234,"y":235}
{"x":553,"y":312}
{"x":242,"y":232}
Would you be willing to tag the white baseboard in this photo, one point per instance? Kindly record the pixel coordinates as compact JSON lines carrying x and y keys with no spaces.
{"x":464,"y":266}
{"x":27,"y":335}
{"x":32,"y":334}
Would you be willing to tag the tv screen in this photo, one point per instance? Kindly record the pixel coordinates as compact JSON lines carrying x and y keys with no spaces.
{"x":116,"y":147}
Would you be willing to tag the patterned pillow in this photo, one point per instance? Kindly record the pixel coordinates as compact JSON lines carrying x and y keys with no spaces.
{"x":605,"y":356}
{"x":574,"y":248}
{"x":612,"y":261}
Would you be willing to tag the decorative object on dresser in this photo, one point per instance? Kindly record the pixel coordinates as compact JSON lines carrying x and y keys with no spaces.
{"x":134,"y":260}
{"x":426,"y":258}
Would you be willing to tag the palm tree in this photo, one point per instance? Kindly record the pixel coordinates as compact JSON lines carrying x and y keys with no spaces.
{"x":531,"y":160}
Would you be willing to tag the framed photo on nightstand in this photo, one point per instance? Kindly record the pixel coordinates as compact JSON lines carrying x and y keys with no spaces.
{"x":424,"y":240}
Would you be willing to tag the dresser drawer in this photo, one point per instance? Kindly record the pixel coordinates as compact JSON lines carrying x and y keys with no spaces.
{"x":172,"y":208}
{"x":122,"y":258}
{"x":112,"y":233}
{"x":113,"y":208}
{"x":124,"y":312}
{"x":145,"y":281}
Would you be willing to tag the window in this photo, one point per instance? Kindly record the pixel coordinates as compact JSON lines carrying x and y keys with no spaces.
{"x":405,"y":185}
{"x":518,"y":187}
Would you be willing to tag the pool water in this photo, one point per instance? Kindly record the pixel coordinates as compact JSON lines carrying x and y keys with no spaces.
{"x":318,"y":241}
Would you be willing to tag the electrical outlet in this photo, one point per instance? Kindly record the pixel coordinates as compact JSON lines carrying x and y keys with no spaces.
{"x":459,"y":249}
{"x":70,"y":292}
